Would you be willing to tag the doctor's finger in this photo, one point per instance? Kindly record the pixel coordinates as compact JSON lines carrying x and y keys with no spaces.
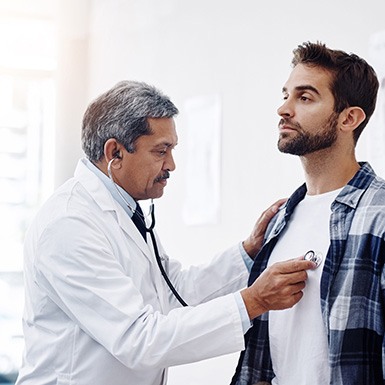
{"x":269,"y":213}
{"x":294,"y":265}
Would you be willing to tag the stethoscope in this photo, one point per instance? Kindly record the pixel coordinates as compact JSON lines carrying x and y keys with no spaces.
{"x":151,"y":232}
{"x":313,"y":256}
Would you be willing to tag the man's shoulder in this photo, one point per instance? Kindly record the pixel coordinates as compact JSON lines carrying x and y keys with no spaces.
{"x":366,"y":188}
{"x":376,"y":189}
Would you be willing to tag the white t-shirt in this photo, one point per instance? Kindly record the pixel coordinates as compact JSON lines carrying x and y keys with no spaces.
{"x":298,"y":338}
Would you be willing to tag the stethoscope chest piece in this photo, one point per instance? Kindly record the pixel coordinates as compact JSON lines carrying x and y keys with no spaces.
{"x":313,"y":256}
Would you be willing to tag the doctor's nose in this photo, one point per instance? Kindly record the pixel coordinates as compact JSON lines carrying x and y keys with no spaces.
{"x":169,"y":163}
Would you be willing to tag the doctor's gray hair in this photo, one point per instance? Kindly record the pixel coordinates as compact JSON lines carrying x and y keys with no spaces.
{"x":122,"y":113}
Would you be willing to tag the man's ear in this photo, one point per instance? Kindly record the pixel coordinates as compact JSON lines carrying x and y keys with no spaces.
{"x":351,"y":118}
{"x":113,"y":150}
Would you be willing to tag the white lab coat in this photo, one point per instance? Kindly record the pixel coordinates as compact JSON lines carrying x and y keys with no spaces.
{"x":97,"y":308}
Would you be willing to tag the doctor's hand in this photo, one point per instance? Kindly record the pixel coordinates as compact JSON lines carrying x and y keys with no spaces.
{"x":278,"y":287}
{"x":254,"y":242}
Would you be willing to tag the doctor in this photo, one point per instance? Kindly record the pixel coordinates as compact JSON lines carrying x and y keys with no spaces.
{"x":98,"y":308}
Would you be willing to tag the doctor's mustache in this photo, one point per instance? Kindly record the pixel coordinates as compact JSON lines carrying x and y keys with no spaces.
{"x":165,"y":175}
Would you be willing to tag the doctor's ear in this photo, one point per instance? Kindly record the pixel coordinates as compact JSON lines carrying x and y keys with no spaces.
{"x":113,"y":150}
{"x":117,"y":155}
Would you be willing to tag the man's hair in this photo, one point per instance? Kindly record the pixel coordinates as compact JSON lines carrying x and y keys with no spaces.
{"x":354,"y":81}
{"x":122,"y":113}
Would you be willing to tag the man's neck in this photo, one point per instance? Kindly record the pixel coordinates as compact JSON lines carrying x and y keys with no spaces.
{"x":327,"y":172}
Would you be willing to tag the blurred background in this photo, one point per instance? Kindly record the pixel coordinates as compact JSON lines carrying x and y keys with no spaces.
{"x":222,"y":62}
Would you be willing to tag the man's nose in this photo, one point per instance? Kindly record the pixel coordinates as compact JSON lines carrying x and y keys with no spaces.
{"x":285,"y":109}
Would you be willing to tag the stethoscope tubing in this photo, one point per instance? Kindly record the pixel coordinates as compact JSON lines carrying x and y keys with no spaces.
{"x":159,"y":261}
{"x":151,"y":231}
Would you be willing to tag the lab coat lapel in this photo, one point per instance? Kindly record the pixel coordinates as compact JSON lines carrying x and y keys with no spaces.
{"x":130,"y":229}
{"x":103,"y":198}
{"x":128,"y":226}
{"x":161,"y":286}
{"x":106,"y":202}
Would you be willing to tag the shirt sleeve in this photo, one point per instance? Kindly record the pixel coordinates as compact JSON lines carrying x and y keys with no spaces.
{"x":246,"y":258}
{"x":246,"y":323}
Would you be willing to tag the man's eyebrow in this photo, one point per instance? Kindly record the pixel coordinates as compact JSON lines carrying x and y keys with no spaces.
{"x":165,"y":144}
{"x":305,"y":87}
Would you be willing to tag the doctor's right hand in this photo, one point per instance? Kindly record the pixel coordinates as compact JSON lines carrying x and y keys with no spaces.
{"x":278,"y":287}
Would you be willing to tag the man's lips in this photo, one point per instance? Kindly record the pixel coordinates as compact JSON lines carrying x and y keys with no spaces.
{"x":286,"y":127}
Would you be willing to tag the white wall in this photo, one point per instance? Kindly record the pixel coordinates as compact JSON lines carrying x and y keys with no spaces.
{"x":71,"y":80}
{"x":241,"y":50}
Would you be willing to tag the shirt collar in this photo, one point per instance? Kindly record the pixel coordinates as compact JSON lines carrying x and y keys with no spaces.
{"x":349,"y":195}
{"x":352,"y":192}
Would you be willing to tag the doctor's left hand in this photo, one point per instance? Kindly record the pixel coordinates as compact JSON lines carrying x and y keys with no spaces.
{"x":254,"y":242}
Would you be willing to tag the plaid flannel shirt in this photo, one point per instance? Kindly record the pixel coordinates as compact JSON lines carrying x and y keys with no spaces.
{"x":352,"y":287}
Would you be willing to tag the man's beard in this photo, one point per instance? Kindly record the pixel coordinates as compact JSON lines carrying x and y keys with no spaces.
{"x":305,"y":143}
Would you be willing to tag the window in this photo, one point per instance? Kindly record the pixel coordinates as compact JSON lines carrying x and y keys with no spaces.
{"x":27,"y":104}
{"x":26,"y":127}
